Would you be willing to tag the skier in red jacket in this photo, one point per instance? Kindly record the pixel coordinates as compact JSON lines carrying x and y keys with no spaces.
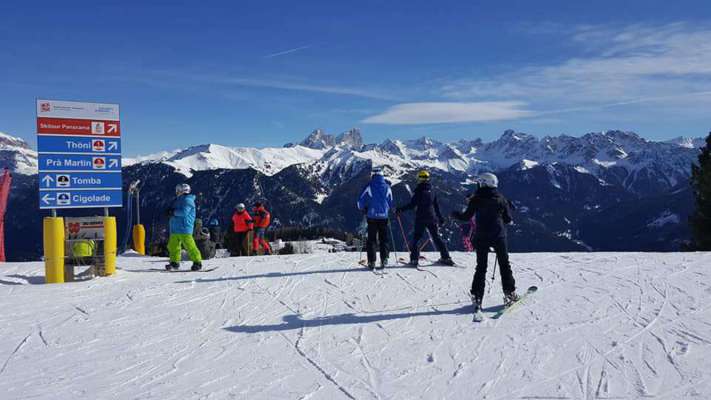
{"x":242,"y":224}
{"x":262,"y":219}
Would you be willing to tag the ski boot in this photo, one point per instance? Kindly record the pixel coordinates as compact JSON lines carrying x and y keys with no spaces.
{"x":197,"y":266}
{"x":173,"y":266}
{"x":371,"y":265}
{"x":383,"y":264}
{"x":476,"y":302}
{"x":510,"y":299}
{"x":446,"y":261}
{"x":413,"y":264}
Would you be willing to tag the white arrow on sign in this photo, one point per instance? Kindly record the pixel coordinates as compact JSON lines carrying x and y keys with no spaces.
{"x":112,"y":128}
{"x":47,"y":180}
{"x":113,"y":145}
{"x":46,"y":199}
{"x":113,"y":163}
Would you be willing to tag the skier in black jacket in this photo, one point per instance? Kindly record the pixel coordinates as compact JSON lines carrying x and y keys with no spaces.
{"x":492,"y":212}
{"x":427,"y":216}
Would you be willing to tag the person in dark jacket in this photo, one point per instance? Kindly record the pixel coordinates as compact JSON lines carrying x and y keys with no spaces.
{"x":491,"y":211}
{"x":375,"y":201}
{"x":216,"y":234}
{"x":427,"y":216}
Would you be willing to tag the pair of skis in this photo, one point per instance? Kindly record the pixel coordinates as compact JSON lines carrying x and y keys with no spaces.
{"x":182,"y":270}
{"x":379,"y":271}
{"x":479,"y":315}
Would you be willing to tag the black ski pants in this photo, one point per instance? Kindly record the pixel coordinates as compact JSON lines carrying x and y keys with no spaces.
{"x":482,"y":258}
{"x":240,"y":246}
{"x":434,"y":233}
{"x":378,"y":234}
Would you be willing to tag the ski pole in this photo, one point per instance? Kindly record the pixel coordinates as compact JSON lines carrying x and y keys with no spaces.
{"x":360,"y":254}
{"x":493,"y":275}
{"x":402,"y":230}
{"x":392,"y":240}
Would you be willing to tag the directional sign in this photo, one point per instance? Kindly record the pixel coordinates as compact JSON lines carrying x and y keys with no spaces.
{"x":83,"y":144}
{"x":79,"y":180}
{"x":81,"y":199}
{"x":77,"y":110}
{"x":79,"y":146}
{"x":66,"y":126}
{"x":78,"y":162}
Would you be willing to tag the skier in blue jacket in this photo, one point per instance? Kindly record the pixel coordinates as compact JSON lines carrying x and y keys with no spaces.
{"x":182,"y":224}
{"x":375,"y":201}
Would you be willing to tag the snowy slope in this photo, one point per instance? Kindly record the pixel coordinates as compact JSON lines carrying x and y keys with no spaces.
{"x":605,"y":325}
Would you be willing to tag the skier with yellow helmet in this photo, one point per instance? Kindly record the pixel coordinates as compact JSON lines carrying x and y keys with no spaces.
{"x":427,"y":217}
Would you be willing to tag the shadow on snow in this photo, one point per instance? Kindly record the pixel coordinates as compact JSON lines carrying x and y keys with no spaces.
{"x":294,"y":321}
{"x":283,"y":274}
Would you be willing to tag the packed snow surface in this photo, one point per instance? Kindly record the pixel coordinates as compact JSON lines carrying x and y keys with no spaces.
{"x":318,"y":326}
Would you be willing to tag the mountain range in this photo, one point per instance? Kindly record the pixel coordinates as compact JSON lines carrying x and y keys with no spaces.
{"x":610,"y":190}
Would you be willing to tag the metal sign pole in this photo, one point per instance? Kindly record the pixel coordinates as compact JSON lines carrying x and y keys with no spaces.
{"x":138,"y":207}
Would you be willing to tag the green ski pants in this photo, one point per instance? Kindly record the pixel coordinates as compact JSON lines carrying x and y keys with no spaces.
{"x":178,"y":241}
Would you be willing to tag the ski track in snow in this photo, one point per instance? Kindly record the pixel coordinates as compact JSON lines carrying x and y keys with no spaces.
{"x":320,"y":326}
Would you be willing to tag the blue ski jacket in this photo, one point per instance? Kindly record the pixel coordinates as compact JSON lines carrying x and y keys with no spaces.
{"x":182,"y":220}
{"x":376,"y":198}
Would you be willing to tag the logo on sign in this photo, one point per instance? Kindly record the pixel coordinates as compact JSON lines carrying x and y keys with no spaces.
{"x":45,"y":107}
{"x":64,"y":199}
{"x":63,"y":181}
{"x":97,"y":128}
{"x":98,"y":145}
{"x":99,"y":162}
{"x":73,"y":228}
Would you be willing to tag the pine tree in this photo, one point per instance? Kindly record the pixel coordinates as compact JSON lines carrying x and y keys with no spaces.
{"x":701,"y":184}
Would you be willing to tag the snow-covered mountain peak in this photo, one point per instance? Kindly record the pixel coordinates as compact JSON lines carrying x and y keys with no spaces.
{"x":268,"y":160}
{"x":687,"y":142}
{"x":8,"y":142}
{"x":319,"y":139}
{"x":351,"y":138}
{"x":17,"y":155}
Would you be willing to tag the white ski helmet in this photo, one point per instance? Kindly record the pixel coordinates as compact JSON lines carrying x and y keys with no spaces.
{"x":488,"y":179}
{"x":240,"y":207}
{"x":182,"y":188}
{"x":377,"y":171}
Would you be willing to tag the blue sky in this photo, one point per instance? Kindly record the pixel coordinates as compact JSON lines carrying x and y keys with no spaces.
{"x":258,"y":73}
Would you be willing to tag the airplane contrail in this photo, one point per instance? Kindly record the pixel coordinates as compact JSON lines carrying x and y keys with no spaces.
{"x":285,"y":52}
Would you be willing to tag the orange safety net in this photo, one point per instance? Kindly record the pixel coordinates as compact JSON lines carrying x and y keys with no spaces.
{"x":5,"y":181}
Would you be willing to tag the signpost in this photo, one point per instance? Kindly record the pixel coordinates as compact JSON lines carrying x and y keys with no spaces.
{"x":79,"y":146}
{"x":79,"y":149}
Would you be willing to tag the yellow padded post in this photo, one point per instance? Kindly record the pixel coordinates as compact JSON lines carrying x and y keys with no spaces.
{"x":109,"y":245}
{"x":53,"y":238}
{"x":139,"y":239}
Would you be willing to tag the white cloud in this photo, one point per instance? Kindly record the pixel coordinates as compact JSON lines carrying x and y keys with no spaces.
{"x":618,"y":65}
{"x":306,"y":87}
{"x":448,"y":112}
